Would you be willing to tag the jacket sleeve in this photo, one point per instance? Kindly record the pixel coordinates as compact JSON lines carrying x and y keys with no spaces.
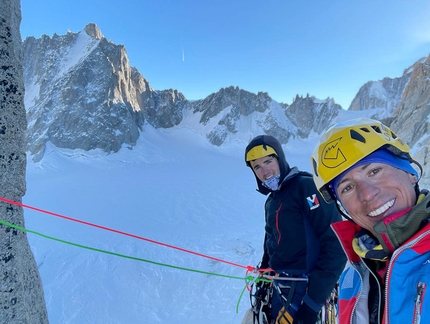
{"x":331,"y":259}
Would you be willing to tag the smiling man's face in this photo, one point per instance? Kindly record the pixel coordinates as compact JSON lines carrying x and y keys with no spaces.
{"x":265,"y":168}
{"x":374,"y":191}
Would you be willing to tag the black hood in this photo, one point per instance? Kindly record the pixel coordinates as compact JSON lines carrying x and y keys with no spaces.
{"x":283,"y":164}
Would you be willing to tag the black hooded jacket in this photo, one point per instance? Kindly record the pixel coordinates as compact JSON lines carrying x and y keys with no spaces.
{"x":298,"y":238}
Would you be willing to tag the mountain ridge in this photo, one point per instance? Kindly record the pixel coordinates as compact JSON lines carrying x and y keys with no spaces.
{"x":82,"y":93}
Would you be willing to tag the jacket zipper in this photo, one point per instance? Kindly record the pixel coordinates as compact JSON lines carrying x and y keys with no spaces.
{"x":421,"y":288}
{"x":379,"y":289}
{"x":393,"y":257}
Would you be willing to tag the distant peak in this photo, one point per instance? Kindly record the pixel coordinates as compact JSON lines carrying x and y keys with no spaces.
{"x":92,"y":30}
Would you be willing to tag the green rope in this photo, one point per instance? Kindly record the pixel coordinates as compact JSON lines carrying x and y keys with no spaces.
{"x":115,"y":254}
{"x":240,"y":298}
{"x":250,"y":280}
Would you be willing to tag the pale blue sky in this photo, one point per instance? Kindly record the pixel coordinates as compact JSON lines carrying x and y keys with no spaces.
{"x":325,"y":48}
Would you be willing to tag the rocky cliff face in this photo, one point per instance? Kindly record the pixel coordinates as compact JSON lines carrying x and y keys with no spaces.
{"x":386,"y":93}
{"x":407,"y":107}
{"x":81,"y":92}
{"x":232,"y":108}
{"x":312,"y":115}
{"x":228,"y":106}
{"x":411,"y":116}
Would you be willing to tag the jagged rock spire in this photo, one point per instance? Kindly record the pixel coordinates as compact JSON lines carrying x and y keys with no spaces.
{"x":92,"y":30}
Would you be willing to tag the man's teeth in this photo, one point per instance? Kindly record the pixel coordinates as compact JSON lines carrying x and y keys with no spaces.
{"x":382,"y":209}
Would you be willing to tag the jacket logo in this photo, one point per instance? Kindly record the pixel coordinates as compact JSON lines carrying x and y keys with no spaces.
{"x":313,"y":202}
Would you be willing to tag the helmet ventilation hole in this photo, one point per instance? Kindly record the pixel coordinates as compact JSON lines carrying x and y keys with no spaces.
{"x":377,"y":129}
{"x":358,"y":137}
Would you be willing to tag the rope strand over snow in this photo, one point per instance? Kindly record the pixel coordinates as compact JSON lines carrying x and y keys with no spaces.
{"x":114,"y":253}
{"x":119,"y":232}
{"x":257,"y":274}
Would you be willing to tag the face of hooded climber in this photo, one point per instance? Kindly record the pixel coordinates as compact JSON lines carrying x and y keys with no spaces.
{"x":371,"y":192}
{"x":265,"y":168}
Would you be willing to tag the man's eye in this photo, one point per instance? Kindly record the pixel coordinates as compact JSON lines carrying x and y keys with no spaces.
{"x":374,"y":171}
{"x":346,"y":189}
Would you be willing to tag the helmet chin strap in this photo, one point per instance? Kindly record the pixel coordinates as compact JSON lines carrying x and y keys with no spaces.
{"x":343,"y":211}
{"x":420,"y":167}
{"x":272,"y":183}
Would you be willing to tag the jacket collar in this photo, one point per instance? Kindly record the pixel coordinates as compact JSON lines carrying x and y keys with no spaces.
{"x":346,"y":231}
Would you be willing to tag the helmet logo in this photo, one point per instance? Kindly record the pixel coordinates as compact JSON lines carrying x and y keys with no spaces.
{"x":332,"y":155}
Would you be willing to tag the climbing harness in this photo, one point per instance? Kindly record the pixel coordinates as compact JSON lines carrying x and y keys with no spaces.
{"x":290,"y":289}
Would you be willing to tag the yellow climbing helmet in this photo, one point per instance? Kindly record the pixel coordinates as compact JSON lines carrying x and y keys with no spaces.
{"x":346,"y":143}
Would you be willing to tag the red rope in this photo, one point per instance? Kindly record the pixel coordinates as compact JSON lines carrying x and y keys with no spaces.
{"x":118,"y":232}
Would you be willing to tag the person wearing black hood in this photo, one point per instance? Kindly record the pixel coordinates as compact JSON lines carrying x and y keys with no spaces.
{"x":299,"y":244}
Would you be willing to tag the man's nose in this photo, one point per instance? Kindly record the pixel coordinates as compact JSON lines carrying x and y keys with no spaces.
{"x":266,"y":170}
{"x":367,"y":191}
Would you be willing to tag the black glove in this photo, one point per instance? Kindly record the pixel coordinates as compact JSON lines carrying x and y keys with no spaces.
{"x":305,"y":315}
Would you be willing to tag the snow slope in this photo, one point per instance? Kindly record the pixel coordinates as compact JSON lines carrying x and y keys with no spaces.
{"x":173,"y":188}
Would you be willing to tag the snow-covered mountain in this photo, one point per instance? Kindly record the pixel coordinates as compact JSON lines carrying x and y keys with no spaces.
{"x":386,"y":93}
{"x":82,"y":93}
{"x":105,"y":147}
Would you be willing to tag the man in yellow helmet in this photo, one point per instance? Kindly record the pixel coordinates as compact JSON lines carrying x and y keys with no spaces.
{"x":299,"y":245}
{"x":367,"y":170}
